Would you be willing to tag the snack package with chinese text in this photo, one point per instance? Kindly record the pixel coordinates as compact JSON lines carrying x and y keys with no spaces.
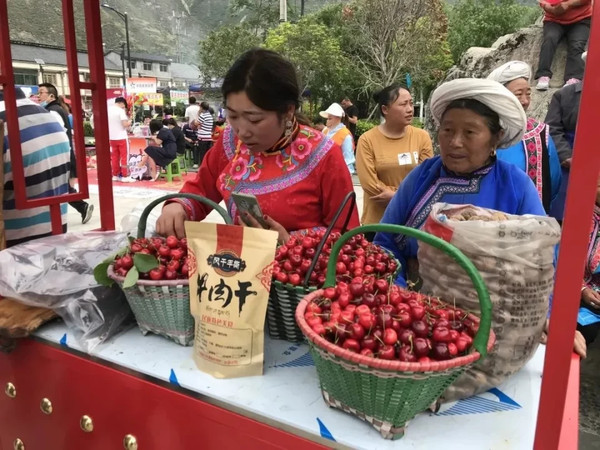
{"x":230,"y":276}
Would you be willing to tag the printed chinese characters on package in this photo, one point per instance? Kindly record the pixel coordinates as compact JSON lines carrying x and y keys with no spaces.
{"x":230,"y":277}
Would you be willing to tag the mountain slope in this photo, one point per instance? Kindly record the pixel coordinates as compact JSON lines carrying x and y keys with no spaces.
{"x":167,"y":27}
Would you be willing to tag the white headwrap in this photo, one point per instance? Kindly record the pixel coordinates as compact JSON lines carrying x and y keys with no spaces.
{"x":492,"y":94}
{"x":510,"y":71}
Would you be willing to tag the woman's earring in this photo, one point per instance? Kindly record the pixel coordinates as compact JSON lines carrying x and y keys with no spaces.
{"x":288,"y":127}
{"x":493,"y":152}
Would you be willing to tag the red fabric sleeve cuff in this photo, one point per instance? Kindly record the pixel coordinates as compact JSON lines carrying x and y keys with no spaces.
{"x":187,"y":204}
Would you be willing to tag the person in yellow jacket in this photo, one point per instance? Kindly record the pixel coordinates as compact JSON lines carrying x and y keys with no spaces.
{"x":339,"y":133}
{"x":386,"y":154}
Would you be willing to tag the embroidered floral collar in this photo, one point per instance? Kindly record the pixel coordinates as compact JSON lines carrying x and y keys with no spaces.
{"x":285,"y":140}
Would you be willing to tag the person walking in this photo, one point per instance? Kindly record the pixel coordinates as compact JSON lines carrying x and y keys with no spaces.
{"x":118,"y":122}
{"x":48,"y":96}
{"x":46,"y":166}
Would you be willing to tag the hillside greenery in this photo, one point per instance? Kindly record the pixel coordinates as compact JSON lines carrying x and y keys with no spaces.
{"x":359,"y":46}
{"x":478,"y":23}
{"x":167,"y":27}
{"x":340,"y":47}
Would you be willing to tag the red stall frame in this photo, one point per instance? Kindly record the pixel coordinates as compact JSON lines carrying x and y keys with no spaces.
{"x":98,"y":87}
{"x":558,"y":413}
{"x":557,"y":421}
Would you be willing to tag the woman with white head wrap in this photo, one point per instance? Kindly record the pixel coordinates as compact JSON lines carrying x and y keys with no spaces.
{"x":536,"y":153}
{"x":475,"y":118}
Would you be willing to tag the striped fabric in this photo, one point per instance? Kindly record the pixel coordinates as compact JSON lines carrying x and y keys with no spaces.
{"x":46,"y":161}
{"x":206,"y":126}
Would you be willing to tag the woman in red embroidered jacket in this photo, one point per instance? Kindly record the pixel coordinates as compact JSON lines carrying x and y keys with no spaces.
{"x":292,"y":169}
{"x":536,"y":153}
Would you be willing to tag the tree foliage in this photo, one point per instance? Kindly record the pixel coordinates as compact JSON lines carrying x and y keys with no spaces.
{"x":386,"y":39}
{"x":431,"y":55}
{"x":394,"y":37}
{"x":322,"y":67}
{"x":337,"y":18}
{"x":222,"y":47}
{"x":478,"y":23}
{"x":356,"y":47}
{"x":259,"y":15}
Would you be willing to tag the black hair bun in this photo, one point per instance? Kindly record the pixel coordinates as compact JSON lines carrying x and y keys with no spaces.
{"x":377,"y":96}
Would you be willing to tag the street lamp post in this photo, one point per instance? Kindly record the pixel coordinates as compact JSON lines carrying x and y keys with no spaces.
{"x":40,"y":63}
{"x":283,"y":10}
{"x":126,"y":20}
{"x":123,"y":64}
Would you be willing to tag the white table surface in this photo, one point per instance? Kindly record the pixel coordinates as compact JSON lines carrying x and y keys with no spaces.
{"x":288,"y":396}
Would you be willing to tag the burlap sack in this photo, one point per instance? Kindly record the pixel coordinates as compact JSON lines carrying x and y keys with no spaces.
{"x":230,"y":276}
{"x":514,"y":255}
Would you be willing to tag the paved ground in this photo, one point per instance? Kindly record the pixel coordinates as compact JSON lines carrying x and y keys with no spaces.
{"x":130,"y":198}
{"x":589,"y":400}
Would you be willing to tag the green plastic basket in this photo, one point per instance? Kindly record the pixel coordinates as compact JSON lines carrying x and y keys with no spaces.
{"x":385,"y":393}
{"x":163,"y":307}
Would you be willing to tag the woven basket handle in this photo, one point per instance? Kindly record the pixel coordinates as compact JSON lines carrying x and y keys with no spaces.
{"x":350,"y":197}
{"x":144,"y":218}
{"x":485,"y":305}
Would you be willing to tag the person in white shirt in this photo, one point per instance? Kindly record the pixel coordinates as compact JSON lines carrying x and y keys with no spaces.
{"x":118,"y":122}
{"x":193,"y":111}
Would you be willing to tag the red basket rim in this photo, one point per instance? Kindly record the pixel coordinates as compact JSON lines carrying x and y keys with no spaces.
{"x":381,"y":364}
{"x":179,"y":282}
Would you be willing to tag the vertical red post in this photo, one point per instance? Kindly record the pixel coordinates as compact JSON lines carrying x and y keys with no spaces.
{"x":573,"y":249}
{"x":18,"y":174}
{"x":99,"y":108}
{"x":10,"y":103}
{"x":75,"y":88}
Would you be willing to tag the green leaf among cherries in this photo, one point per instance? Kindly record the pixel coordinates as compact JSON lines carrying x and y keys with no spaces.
{"x":155,"y":258}
{"x":144,"y":263}
{"x":131,"y":278}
